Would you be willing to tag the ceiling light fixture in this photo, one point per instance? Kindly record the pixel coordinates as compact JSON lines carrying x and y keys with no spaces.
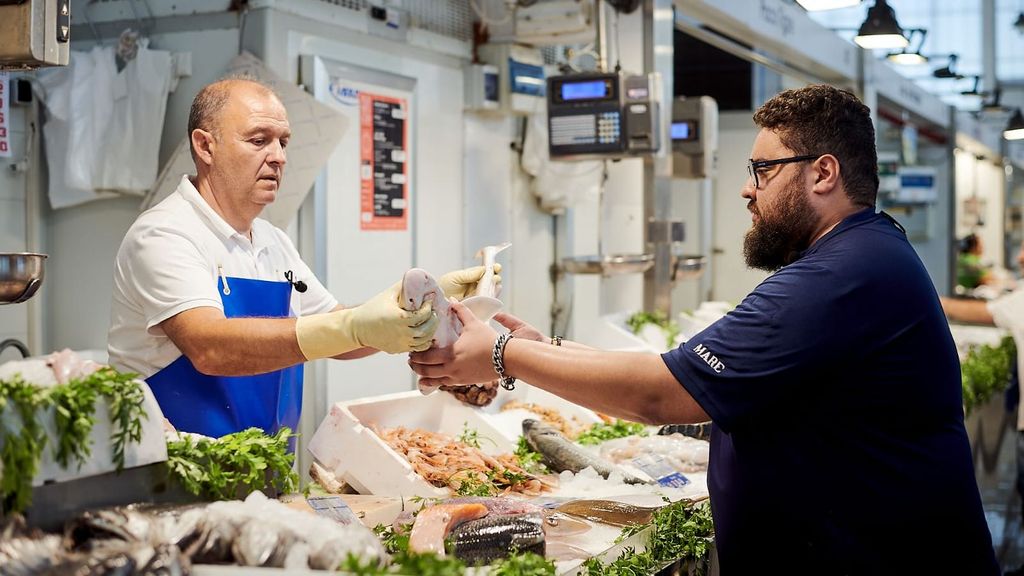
{"x":907,"y":57}
{"x":880,"y":29}
{"x":818,"y":5}
{"x":949,"y":70}
{"x":994,"y":104}
{"x":1015,"y":129}
{"x":974,"y":89}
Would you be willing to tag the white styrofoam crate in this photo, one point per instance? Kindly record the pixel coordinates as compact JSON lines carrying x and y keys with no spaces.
{"x":509,"y":424}
{"x":151,"y":448}
{"x":345,"y":445}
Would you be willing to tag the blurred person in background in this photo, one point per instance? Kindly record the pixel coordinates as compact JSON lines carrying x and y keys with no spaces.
{"x":970,"y":272}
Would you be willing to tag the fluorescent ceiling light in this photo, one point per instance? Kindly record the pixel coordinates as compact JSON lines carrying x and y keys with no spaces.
{"x":1015,"y":129}
{"x":907,"y":58}
{"x":880,"y":29}
{"x":816,"y":5}
{"x":875,"y":41}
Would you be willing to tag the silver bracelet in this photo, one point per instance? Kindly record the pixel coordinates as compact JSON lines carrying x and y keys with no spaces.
{"x":498,"y":360}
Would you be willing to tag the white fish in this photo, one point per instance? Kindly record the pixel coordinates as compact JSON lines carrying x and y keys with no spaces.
{"x":486,"y":286}
{"x":418,"y":286}
{"x":484,"y":302}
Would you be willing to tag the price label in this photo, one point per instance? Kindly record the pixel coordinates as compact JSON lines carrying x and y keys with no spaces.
{"x":658,"y":468}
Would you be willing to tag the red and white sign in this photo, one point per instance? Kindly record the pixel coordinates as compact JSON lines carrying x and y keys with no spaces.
{"x":383,"y":170}
{"x":5,"y":114}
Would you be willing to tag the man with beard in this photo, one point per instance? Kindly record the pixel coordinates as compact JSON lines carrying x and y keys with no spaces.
{"x":838,"y":444}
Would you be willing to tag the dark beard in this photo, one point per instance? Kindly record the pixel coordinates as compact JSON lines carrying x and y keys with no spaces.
{"x":776,"y":241}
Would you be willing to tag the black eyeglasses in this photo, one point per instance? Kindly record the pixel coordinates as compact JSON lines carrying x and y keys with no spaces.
{"x":754,"y":165}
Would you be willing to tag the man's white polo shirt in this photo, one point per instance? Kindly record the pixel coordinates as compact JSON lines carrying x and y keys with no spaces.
{"x":169,"y":262}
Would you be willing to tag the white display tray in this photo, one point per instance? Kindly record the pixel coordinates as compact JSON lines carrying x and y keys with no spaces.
{"x":345,"y":445}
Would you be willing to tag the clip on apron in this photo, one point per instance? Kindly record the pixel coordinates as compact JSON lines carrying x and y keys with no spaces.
{"x":219,"y":405}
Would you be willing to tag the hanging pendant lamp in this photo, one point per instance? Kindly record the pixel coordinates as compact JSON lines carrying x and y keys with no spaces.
{"x":880,"y":29}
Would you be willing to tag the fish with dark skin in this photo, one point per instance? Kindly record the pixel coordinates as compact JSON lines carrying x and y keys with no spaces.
{"x":555,"y":524}
{"x":559,"y":453}
{"x":485,"y":540}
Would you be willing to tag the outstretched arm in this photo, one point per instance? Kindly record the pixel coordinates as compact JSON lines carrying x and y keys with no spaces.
{"x":634,"y":386}
{"x":242,"y":346}
{"x":964,"y":310}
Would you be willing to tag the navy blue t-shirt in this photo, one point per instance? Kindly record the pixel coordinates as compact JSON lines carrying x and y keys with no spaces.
{"x":838,"y":444}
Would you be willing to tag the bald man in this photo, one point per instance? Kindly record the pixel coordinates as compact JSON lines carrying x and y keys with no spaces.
{"x":213,"y":306}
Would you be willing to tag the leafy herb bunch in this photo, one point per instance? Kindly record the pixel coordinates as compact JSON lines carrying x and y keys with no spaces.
{"x":601,"y":432}
{"x":985,"y":371}
{"x":225,"y":467}
{"x":637,"y":321}
{"x":74,"y":404}
{"x":680,"y":531}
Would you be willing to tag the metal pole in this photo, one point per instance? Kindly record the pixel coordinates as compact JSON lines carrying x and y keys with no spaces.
{"x":659,"y":25}
{"x":602,"y":35}
{"x":707,"y":240}
{"x":988,"y":44}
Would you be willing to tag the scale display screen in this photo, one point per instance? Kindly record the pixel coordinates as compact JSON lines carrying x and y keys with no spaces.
{"x":587,"y":90}
{"x":684,"y":131}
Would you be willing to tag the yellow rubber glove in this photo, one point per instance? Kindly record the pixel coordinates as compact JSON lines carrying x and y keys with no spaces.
{"x":461,"y":284}
{"x":378,"y":323}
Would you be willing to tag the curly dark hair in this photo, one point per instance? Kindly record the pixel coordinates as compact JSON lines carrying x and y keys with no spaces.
{"x":823,"y":119}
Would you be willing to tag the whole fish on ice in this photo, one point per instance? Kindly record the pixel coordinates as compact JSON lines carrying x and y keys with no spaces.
{"x":555,"y":523}
{"x":560,"y":453}
{"x":608,"y":512}
{"x":485,"y":540}
{"x":433,"y":524}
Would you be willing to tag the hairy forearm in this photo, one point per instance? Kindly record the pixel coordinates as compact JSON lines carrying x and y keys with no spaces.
{"x":240,"y":346}
{"x":634,"y":386}
{"x":963,"y":310}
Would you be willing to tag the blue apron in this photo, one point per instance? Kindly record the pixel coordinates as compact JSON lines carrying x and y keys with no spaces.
{"x":219,"y":405}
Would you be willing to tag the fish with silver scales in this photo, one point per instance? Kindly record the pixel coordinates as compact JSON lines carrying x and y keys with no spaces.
{"x":561,"y":454}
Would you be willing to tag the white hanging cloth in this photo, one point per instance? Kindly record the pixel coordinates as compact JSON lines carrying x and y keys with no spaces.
{"x":558,"y":185}
{"x":102,"y":133}
{"x":69,"y":137}
{"x":140,"y":95}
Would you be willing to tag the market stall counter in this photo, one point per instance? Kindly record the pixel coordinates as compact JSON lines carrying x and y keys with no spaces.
{"x":532,"y":486}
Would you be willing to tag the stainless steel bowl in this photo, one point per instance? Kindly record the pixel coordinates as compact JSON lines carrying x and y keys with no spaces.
{"x":687,"y":267}
{"x":609,"y":264}
{"x":21,"y":275}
